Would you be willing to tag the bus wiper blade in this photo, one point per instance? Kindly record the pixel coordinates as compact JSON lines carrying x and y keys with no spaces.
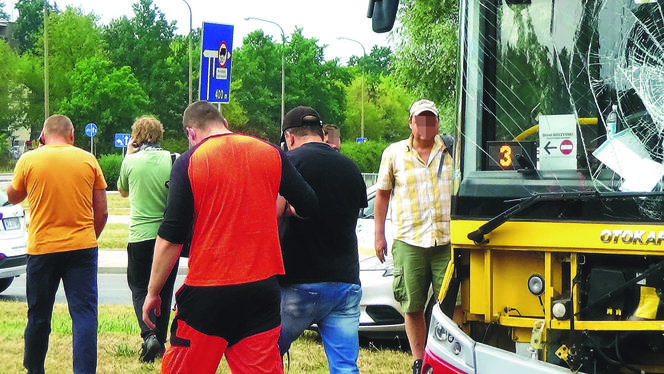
{"x":477,"y":236}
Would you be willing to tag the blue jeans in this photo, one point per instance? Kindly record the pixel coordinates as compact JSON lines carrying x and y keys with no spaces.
{"x":335,"y":308}
{"x":78,"y":272}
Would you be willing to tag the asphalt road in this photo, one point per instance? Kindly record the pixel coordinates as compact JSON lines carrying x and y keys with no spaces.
{"x":5,"y":180}
{"x":113,"y":289}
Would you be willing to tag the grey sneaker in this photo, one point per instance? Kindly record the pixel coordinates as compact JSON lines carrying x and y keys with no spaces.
{"x":150,"y":349}
{"x":417,"y":366}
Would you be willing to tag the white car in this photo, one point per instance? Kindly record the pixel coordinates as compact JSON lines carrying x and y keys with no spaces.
{"x":13,"y":242}
{"x":380,"y":314}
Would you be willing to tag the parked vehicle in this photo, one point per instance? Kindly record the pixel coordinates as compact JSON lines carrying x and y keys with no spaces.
{"x":13,"y":242}
{"x":380,"y":315}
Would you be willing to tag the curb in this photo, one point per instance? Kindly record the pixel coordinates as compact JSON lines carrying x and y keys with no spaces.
{"x":121,"y":270}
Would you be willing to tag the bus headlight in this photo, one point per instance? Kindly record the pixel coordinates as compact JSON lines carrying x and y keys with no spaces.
{"x":444,"y":337}
{"x":440,"y":332}
{"x":456,"y":348}
{"x":536,"y":284}
{"x":562,"y":309}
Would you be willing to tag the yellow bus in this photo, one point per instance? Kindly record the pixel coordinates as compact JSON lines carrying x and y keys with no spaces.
{"x":557,"y":222}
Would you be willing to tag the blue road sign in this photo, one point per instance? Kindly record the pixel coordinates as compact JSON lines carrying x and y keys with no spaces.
{"x":121,"y":140}
{"x":90,"y":129}
{"x":360,"y":140}
{"x":215,"y":78}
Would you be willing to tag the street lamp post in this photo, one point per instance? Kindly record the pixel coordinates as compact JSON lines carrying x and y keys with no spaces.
{"x":46,"y":75}
{"x":283,"y":47}
{"x":364,"y":52}
{"x":188,"y":6}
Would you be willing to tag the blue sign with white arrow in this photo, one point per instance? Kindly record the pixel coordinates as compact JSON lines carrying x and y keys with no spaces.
{"x":121,"y":140}
{"x":90,"y":129}
{"x":215,"y":78}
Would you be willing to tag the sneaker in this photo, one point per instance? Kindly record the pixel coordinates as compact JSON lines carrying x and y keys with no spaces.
{"x":417,"y":366}
{"x":150,"y":349}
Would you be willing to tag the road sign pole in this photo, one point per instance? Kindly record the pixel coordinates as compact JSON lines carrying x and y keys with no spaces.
{"x":91,"y":131}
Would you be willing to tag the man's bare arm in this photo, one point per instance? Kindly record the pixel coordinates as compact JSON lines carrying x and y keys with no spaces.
{"x":99,"y":210}
{"x":14,"y":196}
{"x":380,"y":214}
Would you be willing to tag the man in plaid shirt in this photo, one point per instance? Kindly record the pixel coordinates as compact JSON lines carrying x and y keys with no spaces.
{"x":418,"y":187}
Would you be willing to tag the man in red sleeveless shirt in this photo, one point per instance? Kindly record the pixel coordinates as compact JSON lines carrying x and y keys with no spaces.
{"x":225,"y":187}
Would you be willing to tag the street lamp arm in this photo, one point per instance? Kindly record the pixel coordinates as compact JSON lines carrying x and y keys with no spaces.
{"x":188,"y":6}
{"x":283,"y":47}
{"x":364,"y":51}
{"x":283,"y":35}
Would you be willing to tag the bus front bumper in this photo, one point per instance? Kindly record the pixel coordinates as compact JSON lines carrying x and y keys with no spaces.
{"x":450,"y":350}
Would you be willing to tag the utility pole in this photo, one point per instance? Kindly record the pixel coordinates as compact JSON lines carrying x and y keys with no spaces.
{"x":364,"y":52}
{"x":188,"y":6}
{"x":46,"y":84}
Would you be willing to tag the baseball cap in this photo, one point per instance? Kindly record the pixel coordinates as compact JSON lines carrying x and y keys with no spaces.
{"x":300,"y":116}
{"x":423,"y":106}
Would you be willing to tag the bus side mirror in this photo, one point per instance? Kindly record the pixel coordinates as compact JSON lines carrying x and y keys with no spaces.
{"x":383,"y":13}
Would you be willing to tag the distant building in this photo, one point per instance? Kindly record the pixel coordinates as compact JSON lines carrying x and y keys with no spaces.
{"x":5,"y":28}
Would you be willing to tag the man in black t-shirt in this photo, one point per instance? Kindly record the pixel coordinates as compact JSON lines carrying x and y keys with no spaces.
{"x":322,"y":281}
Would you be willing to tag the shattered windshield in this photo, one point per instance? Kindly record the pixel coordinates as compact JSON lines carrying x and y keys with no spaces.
{"x":563,"y":96}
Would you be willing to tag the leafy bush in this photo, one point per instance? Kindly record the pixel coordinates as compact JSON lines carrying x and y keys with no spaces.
{"x":110,"y":166}
{"x":365,"y":155}
{"x":174,"y":142}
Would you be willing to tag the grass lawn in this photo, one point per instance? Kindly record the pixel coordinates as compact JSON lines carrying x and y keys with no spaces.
{"x":119,"y":340}
{"x":114,"y":236}
{"x":117,"y":205}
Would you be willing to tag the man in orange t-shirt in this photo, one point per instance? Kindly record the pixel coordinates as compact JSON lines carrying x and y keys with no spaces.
{"x":225,"y":187}
{"x":66,"y":193}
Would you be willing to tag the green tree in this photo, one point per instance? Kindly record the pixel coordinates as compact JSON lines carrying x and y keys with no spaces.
{"x":3,"y":14}
{"x":314,"y":82}
{"x":385,"y":111}
{"x":310,"y":81}
{"x":145,"y":44}
{"x":393,"y":108}
{"x":8,"y":80}
{"x":72,"y":37}
{"x":109,"y":97}
{"x":375,"y":64}
{"x":365,"y":155}
{"x":425,"y":61}
{"x":177,"y":67}
{"x":28,"y":94}
{"x":29,"y":23}
{"x":256,"y":86}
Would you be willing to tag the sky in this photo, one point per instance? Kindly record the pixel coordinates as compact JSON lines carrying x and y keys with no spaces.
{"x":325,"y":20}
